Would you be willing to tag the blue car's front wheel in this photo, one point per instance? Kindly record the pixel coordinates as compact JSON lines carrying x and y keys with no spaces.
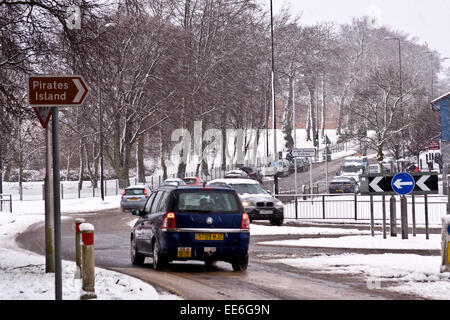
{"x":159,"y":261}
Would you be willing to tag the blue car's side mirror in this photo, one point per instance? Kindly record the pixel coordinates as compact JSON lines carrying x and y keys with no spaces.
{"x":137,"y":212}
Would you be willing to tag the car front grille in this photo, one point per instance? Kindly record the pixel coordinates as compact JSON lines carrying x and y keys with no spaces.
{"x":264,"y":204}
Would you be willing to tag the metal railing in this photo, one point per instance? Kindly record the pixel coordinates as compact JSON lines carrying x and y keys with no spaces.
{"x":5,"y":198}
{"x":357,"y":207}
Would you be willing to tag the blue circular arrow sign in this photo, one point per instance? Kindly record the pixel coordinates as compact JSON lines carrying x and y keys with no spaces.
{"x":403,"y":183}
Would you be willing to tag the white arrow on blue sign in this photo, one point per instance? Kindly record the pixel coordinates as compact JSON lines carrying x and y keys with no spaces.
{"x":403,"y":183}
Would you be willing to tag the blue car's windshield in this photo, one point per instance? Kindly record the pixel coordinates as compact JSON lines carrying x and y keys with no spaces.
{"x":209,"y":201}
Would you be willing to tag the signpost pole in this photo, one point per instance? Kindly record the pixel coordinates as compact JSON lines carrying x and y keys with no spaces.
{"x":404,"y":216}
{"x":383,"y":199}
{"x":56,"y":205}
{"x":49,"y":212}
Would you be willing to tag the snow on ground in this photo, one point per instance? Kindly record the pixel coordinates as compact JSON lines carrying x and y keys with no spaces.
{"x":366,"y":242}
{"x":22,"y":273}
{"x":412,"y":273}
{"x":257,"y":229}
{"x":417,"y":275}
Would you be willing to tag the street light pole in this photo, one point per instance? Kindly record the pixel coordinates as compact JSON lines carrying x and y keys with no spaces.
{"x":100,"y":117}
{"x":401,"y":92}
{"x":274,"y":118}
{"x":100,"y":124}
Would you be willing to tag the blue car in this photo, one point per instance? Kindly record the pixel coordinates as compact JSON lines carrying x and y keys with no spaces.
{"x":191,"y":223}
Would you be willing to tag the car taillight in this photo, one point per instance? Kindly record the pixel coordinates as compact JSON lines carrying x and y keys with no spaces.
{"x":145,"y":193}
{"x":169,"y":223}
{"x":245,"y":225}
{"x":124,"y":191}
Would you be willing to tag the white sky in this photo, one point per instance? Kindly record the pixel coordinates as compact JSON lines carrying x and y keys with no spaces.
{"x":428,"y":20}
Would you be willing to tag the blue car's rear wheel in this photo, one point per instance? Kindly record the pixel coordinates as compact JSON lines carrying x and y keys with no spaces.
{"x":159,"y":261}
{"x":240,"y":264}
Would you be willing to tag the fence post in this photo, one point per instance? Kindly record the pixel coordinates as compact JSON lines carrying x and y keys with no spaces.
{"x":43,"y":192}
{"x":413,"y":198}
{"x":383,"y":198}
{"x":10,"y":203}
{"x":356,"y":207}
{"x":404,"y":216}
{"x":296,"y":207}
{"x":323,"y":207}
{"x":372,"y":224}
{"x":62,"y":191}
{"x":78,"y":270}
{"x":87,"y":261}
{"x":427,"y":233}
{"x":117,"y":187}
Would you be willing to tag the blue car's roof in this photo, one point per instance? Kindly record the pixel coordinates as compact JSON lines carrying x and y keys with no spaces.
{"x":204,"y":188}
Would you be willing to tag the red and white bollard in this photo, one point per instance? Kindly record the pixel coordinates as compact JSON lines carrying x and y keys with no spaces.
{"x":78,"y":270}
{"x":445,"y":240}
{"x":87,"y":261}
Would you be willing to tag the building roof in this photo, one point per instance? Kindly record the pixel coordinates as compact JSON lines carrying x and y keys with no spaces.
{"x":447,"y":95}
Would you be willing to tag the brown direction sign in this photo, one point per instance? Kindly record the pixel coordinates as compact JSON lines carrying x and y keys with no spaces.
{"x":56,"y":90}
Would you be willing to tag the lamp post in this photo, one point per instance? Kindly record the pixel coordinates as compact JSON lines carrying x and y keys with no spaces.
{"x":432,"y":74}
{"x":274,"y":118}
{"x":401,"y":90}
{"x":100,"y":118}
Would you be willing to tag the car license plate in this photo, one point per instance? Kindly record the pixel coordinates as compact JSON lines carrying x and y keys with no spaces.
{"x":209,"y":236}
{"x":340,"y":190}
{"x":133,"y":199}
{"x":265,"y":211}
{"x":184,"y":252}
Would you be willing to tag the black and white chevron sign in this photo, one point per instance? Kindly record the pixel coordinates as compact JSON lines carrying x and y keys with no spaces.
{"x":425,"y":183}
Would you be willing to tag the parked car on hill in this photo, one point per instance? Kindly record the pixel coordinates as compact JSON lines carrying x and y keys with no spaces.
{"x":174,"y":182}
{"x":253,"y":173}
{"x":343,"y":185}
{"x":194,"y":181}
{"x":237,"y":174}
{"x":134,"y":197}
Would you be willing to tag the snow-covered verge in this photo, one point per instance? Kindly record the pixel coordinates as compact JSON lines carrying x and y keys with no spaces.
{"x":23,"y":275}
{"x":405,"y":273}
{"x":366,"y":242}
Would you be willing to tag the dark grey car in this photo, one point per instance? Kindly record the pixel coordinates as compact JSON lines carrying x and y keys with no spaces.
{"x":135,"y":197}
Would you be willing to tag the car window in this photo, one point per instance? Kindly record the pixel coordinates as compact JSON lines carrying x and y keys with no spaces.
{"x":210,"y":201}
{"x":149,"y":202}
{"x":155,"y":204}
{"x":189,"y":181}
{"x":134,"y":192}
{"x":163,"y":202}
{"x":243,"y":188}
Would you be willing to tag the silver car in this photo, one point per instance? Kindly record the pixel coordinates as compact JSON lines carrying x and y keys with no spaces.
{"x":135,"y":197}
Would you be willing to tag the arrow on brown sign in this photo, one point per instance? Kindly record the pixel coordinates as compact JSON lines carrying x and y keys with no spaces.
{"x":56,"y":90}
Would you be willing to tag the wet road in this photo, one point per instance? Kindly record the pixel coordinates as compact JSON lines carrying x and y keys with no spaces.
{"x":265,"y":278}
